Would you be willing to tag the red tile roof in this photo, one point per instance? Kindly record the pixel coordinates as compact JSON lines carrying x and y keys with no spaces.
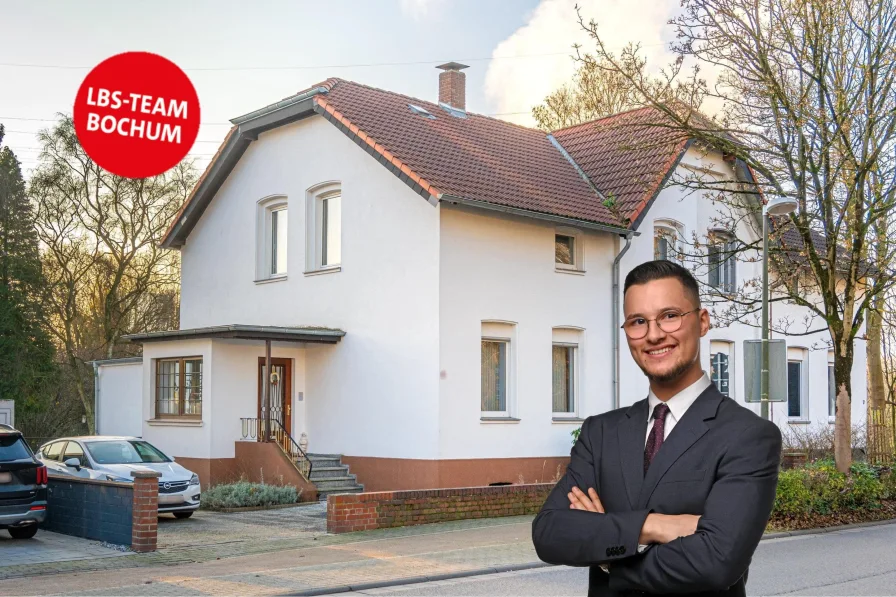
{"x":496,"y":162}
{"x":475,"y":157}
{"x":626,"y":155}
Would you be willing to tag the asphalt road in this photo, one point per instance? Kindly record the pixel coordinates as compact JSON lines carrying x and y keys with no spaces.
{"x":858,"y":561}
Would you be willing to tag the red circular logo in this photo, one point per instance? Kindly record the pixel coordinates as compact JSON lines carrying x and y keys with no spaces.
{"x":136,"y":114}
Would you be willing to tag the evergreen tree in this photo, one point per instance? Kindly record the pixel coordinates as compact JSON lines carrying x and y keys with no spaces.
{"x":26,"y":353}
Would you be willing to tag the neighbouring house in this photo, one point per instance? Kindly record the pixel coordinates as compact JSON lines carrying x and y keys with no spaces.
{"x":436,"y":288}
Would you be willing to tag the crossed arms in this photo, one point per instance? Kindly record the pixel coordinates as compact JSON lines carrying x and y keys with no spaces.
{"x":689,"y":553}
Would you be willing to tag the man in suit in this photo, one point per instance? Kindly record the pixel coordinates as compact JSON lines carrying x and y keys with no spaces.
{"x":672,"y":494}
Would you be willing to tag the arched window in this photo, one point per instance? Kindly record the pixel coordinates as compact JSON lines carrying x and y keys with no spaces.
{"x":667,"y":240}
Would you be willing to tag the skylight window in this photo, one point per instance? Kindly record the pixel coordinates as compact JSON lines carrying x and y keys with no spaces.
{"x":421,"y":111}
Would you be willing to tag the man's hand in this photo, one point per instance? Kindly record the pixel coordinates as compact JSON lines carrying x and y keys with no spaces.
{"x":578,"y":500}
{"x":663,"y":528}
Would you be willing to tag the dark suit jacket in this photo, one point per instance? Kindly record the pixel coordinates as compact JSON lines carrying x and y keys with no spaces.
{"x":720,"y":461}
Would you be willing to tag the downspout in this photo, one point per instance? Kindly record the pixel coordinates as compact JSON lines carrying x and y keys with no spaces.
{"x":96,"y":397}
{"x":616,"y":324}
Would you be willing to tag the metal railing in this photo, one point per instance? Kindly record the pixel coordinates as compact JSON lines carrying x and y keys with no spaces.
{"x":254,"y":429}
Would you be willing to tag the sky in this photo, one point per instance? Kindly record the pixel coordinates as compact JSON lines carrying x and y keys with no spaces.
{"x":242,"y":56}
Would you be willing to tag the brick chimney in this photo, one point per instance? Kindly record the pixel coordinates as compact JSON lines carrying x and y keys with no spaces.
{"x":453,"y":85}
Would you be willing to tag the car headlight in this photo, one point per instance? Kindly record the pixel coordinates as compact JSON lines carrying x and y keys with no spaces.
{"x":117,"y":479}
{"x":194,"y":480}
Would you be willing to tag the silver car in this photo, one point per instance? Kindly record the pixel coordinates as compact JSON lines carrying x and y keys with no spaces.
{"x":111,"y":458}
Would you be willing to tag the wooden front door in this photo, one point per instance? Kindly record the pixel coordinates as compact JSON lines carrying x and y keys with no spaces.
{"x":281,"y":392}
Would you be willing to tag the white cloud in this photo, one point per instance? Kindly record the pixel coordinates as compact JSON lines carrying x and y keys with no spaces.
{"x":420,"y":9}
{"x":518,"y":84}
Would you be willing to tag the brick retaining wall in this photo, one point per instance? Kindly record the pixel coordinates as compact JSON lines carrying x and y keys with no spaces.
{"x":350,"y":512}
{"x":120,"y":513}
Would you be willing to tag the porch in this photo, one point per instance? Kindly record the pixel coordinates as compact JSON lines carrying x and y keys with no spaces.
{"x":230,"y":401}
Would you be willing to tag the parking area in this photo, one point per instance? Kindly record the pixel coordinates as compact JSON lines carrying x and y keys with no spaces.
{"x":215,"y":528}
{"x":52,"y":547}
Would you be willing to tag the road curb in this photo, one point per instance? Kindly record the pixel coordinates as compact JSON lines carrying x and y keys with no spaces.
{"x":532,"y":565}
{"x":418,"y":579}
{"x":821,"y":530}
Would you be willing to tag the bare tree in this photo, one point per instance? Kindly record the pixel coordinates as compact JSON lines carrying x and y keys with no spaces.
{"x":808,"y":111}
{"x":107,"y":275}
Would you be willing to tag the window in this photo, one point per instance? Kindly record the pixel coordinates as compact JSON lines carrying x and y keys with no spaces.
{"x":279,"y":220}
{"x":564,"y":378}
{"x":272,"y":234}
{"x":720,"y":366}
{"x":497,"y":370}
{"x":667,"y":237}
{"x":568,"y":250}
{"x":323,"y":238}
{"x":179,"y":388}
{"x":832,"y":386}
{"x":722,"y":265}
{"x":494,"y":376}
{"x":331,"y":231}
{"x":566,"y":371}
{"x":564,"y":250}
{"x":53,"y":451}
{"x":13,"y":447}
{"x":73,"y":450}
{"x":794,"y":388}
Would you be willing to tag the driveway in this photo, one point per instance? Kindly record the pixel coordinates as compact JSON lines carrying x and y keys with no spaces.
{"x":219,"y":528}
{"x":51,"y":547}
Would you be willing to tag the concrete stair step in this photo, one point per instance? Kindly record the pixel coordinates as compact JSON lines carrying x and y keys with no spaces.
{"x":328,"y":472}
{"x":335,"y":483}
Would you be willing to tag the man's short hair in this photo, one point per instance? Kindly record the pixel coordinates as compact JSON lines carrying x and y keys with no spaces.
{"x":660,"y":270}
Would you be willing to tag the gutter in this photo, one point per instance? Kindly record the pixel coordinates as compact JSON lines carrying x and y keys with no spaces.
{"x":285,"y":103}
{"x":96,"y":397}
{"x":616,"y":324}
{"x":574,"y":222}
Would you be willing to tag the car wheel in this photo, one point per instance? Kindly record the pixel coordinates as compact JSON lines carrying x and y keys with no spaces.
{"x":23,"y":532}
{"x":183,"y":514}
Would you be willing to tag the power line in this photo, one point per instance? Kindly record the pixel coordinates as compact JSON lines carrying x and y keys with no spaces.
{"x":304,"y":66}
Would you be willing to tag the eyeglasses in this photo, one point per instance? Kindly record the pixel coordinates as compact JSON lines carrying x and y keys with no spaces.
{"x":668,"y":321}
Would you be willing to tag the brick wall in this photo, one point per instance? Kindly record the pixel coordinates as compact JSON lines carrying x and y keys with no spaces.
{"x":99,"y":510}
{"x":365,"y":511}
{"x":120,"y":513}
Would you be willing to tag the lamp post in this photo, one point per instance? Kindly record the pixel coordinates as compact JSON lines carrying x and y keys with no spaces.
{"x":777,"y":206}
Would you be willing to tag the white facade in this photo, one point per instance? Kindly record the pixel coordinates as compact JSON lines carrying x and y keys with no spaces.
{"x":119,"y":397}
{"x":417,"y":290}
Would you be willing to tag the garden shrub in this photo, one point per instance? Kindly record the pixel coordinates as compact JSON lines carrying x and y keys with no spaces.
{"x":244,"y":494}
{"x":819,"y":488}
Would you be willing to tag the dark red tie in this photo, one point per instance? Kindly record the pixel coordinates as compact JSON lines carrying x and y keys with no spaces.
{"x":655,"y":439}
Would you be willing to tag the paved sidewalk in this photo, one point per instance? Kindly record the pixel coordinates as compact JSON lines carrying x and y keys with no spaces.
{"x":319,"y":564}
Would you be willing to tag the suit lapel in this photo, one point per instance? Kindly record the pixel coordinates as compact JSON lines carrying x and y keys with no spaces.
{"x":632,"y":433}
{"x":686,"y":432}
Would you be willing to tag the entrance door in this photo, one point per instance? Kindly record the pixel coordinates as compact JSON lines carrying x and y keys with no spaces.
{"x":280,"y":392}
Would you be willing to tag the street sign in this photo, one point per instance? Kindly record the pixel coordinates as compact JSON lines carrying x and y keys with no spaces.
{"x":777,"y":370}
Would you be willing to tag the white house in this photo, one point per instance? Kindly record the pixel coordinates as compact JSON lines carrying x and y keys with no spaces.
{"x":437,"y":289}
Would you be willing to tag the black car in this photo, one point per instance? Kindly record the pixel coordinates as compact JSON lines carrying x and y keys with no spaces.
{"x":23,"y":486}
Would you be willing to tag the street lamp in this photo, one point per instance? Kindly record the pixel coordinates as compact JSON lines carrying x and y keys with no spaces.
{"x":777,"y":206}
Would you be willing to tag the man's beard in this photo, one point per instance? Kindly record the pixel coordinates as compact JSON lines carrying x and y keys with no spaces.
{"x":672,"y":375}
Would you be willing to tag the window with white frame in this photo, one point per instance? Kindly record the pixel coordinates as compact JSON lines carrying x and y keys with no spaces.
{"x":797,"y":383}
{"x":722,"y":262}
{"x":565,"y":371}
{"x":667,"y":237}
{"x":497,"y":369}
{"x":832,"y":386}
{"x":324,"y":227}
{"x":568,"y":249}
{"x":272,"y":233}
{"x":721,"y":355}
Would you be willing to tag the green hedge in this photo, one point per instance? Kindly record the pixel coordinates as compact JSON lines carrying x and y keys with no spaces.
{"x":818,"y":488}
{"x":244,"y":495}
